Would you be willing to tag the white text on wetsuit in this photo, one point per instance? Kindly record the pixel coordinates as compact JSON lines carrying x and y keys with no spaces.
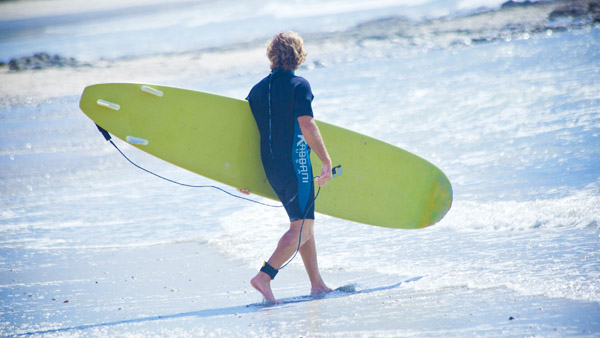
{"x":302,"y":159}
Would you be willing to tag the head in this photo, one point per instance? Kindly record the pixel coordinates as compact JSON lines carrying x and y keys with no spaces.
{"x":285,"y":51}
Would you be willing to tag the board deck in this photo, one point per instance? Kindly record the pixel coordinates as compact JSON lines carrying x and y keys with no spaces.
{"x":216,"y":137}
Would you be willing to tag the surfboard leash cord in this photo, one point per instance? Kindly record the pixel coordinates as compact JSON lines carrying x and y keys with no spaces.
{"x":300,"y":234}
{"x":108,"y":137}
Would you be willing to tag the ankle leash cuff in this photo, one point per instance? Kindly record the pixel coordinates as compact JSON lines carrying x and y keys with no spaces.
{"x":269,"y":270}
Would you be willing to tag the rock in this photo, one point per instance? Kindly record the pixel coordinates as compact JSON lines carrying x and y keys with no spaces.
{"x":576,"y":10}
{"x":41,"y":61}
{"x":569,"y":11}
{"x":514,"y":4}
{"x":594,"y":10}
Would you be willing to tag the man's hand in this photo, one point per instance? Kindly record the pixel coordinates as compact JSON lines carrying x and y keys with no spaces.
{"x":244,"y":191}
{"x":325,"y":175}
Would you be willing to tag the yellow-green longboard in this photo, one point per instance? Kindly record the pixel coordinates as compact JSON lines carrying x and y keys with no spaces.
{"x":216,"y":137}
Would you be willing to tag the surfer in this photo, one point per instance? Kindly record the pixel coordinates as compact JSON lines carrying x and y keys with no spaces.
{"x":281,"y":105}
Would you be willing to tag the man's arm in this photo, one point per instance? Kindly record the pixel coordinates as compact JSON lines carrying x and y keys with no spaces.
{"x":312,"y":135}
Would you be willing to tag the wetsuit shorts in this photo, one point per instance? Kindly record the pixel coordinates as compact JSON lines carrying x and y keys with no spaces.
{"x":297,"y":199}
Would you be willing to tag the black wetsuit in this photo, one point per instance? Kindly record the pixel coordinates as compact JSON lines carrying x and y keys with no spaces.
{"x":276,"y":102}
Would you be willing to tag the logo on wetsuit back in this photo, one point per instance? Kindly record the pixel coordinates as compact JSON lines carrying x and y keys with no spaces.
{"x":302,"y":159}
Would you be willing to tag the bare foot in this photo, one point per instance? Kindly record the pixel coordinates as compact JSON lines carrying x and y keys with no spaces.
{"x":262,"y":283}
{"x":321,"y":289}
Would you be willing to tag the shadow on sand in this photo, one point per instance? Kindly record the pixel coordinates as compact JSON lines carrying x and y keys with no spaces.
{"x":342,"y":291}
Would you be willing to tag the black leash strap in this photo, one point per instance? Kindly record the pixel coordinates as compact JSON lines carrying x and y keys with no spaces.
{"x":337,"y":171}
{"x":109,"y":139}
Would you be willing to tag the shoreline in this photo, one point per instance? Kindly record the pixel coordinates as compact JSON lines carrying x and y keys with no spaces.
{"x":36,"y":86}
{"x":186,"y":288}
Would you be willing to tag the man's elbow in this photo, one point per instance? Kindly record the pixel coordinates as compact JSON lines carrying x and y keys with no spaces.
{"x":306,"y":123}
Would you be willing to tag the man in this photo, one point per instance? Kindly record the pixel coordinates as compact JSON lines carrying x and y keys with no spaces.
{"x":281,"y":105}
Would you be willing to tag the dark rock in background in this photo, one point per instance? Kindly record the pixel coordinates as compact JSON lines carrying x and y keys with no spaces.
{"x":41,"y":61}
{"x":578,"y":9}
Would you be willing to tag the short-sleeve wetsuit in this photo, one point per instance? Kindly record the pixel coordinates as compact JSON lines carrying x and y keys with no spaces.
{"x":276,"y":103}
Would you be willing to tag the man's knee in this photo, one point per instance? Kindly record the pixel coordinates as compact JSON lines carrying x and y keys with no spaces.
{"x":290,"y":237}
{"x":307,"y":227}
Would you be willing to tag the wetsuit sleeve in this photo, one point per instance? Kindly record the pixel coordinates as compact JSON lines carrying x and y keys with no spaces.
{"x":303,"y":97}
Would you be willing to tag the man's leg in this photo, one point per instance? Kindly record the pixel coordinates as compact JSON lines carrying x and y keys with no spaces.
{"x":288,"y":244}
{"x":285,"y":249}
{"x":308,"y":251}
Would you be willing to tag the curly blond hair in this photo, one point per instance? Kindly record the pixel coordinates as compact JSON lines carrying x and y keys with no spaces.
{"x":286,"y":51}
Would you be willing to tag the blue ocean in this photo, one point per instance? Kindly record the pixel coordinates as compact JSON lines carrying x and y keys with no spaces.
{"x":502,"y":97}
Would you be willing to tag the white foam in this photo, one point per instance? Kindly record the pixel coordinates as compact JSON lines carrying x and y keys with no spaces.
{"x":579,"y":211}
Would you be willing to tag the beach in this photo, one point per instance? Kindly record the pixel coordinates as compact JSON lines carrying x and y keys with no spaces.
{"x":504,"y":99}
{"x":183,"y":289}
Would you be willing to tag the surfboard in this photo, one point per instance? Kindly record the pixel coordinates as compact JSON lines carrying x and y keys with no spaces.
{"x":216,"y":137}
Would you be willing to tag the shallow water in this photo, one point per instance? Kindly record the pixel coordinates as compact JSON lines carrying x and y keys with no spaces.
{"x":514,"y":123}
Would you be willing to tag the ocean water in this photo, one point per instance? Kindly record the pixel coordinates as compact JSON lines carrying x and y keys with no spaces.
{"x":183,"y":25}
{"x":507,"y":104}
